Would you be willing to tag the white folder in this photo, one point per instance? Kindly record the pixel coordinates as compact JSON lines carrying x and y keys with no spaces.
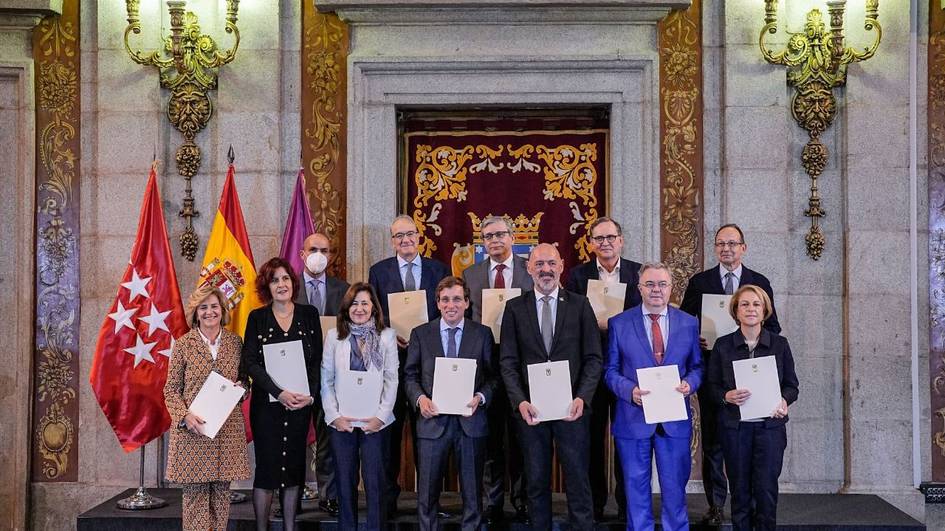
{"x":454,"y":380}
{"x":549,"y":386}
{"x":358,"y":393}
{"x":493,"y":307}
{"x":664,"y":403}
{"x":606,"y":298}
{"x":285,"y":363}
{"x":408,"y":310}
{"x":716,"y":321}
{"x":214,"y":403}
{"x":760,"y":376}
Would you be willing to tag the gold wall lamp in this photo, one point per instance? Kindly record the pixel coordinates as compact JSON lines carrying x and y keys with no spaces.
{"x":817,"y":63}
{"x":188,"y":64}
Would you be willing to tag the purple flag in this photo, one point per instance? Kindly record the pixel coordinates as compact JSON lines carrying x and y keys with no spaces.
{"x":297,"y":227}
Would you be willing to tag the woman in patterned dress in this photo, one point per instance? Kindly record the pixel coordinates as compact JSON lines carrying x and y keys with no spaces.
{"x":205,"y":467}
{"x":280,"y":427}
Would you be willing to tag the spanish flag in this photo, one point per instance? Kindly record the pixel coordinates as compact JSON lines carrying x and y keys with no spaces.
{"x":228,"y":261}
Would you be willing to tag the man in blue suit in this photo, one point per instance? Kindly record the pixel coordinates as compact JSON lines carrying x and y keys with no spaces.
{"x":450,"y":336}
{"x":405,"y":271}
{"x":651,"y":335}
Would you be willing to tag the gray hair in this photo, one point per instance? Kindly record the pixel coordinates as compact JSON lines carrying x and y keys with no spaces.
{"x":404,"y":217}
{"x":655,"y":265}
{"x":496,"y":219}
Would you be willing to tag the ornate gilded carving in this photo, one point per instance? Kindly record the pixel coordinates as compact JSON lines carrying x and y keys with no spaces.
{"x":817,"y":63}
{"x":324,"y":114}
{"x":56,"y":331}
{"x":188,"y":67}
{"x":441,"y":173}
{"x":936,"y":194}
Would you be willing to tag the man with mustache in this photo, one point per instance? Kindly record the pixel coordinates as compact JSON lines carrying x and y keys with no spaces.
{"x":551,"y":324}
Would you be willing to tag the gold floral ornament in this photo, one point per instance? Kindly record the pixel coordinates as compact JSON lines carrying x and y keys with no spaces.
{"x":816,"y":61}
{"x":188,"y":65}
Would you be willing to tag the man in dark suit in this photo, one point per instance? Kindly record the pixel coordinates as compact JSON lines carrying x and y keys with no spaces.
{"x":606,"y":239}
{"x":324,"y":293}
{"x":405,"y":271}
{"x":722,"y":279}
{"x":450,"y":336}
{"x":501,"y":269}
{"x":651,"y":335}
{"x":551,"y":324}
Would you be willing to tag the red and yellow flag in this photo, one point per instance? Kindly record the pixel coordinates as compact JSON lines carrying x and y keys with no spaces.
{"x":228,"y":261}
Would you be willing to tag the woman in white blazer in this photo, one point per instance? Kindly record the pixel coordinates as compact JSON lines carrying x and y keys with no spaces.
{"x":360,"y":351}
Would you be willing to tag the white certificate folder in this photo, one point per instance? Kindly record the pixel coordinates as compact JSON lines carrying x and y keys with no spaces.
{"x":493,"y":307}
{"x":408,"y":310}
{"x":214,"y":403}
{"x":359,"y":394}
{"x":606,"y":298}
{"x":664,"y":403}
{"x":285,"y":363}
{"x":760,"y":376}
{"x":715,"y":320}
{"x":549,"y":386}
{"x":454,"y":380}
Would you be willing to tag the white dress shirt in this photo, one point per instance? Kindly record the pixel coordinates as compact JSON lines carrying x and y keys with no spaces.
{"x":737,"y":281}
{"x":213,"y":345}
{"x":611,"y":277}
{"x":664,"y":326}
{"x":417,"y":266}
{"x":507,"y":273}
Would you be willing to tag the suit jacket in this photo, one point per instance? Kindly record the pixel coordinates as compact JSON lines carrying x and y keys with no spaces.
{"x":629,"y":274}
{"x":575,"y":340}
{"x":385,"y":277}
{"x":337,"y":357}
{"x":335,"y":289}
{"x":477,"y":279}
{"x":721,"y":375}
{"x":709,"y":282}
{"x":629,"y":349}
{"x":191,"y":457}
{"x":425,"y":346}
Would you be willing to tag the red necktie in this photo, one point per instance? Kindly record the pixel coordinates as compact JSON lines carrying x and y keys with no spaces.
{"x":499,"y":281}
{"x":657,"y":337}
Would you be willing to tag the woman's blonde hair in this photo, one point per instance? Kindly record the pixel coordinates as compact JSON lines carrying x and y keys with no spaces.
{"x":203,"y":291}
{"x":765,"y":301}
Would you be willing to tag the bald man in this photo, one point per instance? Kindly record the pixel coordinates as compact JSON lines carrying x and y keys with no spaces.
{"x":551,"y":324}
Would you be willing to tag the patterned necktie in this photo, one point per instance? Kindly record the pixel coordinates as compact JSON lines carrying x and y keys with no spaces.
{"x":499,"y":277}
{"x":729,"y":288}
{"x":316,"y":299}
{"x":410,"y":284}
{"x":451,"y":343}
{"x":658,"y":348}
{"x":547,"y":323}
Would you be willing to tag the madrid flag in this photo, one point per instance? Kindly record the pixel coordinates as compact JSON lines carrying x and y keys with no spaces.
{"x":228,"y":261}
{"x":298,"y":226}
{"x":129,"y":367}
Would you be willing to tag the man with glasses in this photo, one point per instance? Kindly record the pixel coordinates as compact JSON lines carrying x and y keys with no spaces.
{"x":606,"y":239}
{"x":722,"y":279}
{"x":552,"y":324}
{"x":652,"y":335}
{"x":501,"y":269}
{"x":405,"y":271}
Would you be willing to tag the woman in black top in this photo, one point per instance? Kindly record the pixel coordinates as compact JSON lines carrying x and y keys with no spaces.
{"x":753,"y":448}
{"x":280,"y":427}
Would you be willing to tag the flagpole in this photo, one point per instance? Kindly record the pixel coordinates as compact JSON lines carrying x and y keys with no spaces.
{"x":141,"y":499}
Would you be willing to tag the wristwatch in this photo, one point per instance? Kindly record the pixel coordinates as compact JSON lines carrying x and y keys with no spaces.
{"x":182,"y":425}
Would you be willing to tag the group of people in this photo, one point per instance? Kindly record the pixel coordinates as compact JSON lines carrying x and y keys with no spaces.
{"x":502,"y":442}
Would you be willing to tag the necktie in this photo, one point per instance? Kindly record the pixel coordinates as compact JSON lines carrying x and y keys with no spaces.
{"x":499,"y":277}
{"x":451,"y":343}
{"x":316,"y":298}
{"x":410,"y":284}
{"x":657,"y":337}
{"x":729,"y":288}
{"x":547,"y":323}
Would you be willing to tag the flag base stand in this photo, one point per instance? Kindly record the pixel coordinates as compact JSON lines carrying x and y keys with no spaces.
{"x":237,"y":497}
{"x":141,"y":500}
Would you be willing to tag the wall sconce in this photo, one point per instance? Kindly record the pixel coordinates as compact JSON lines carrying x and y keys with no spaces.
{"x":188,"y":68}
{"x":817,"y":63}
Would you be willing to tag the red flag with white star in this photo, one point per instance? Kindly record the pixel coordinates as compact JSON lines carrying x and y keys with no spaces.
{"x":129,"y":367}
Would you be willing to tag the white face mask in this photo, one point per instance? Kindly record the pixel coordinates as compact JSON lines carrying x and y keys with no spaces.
{"x":316,"y":263}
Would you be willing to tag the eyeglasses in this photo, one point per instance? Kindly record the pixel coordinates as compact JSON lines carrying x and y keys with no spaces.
{"x":404,"y":235}
{"x":730,"y":244}
{"x":497,"y":235}
{"x":610,"y":238}
{"x":652,"y":285}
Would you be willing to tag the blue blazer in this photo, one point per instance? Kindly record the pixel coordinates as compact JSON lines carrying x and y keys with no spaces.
{"x":384,"y":276}
{"x":629,"y":350}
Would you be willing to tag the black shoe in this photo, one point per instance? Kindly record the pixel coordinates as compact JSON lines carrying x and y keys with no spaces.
{"x":713,"y":516}
{"x":599,"y":515}
{"x":392,"y":509}
{"x":493,"y":516}
{"x":521,"y":515}
{"x":329,"y":505}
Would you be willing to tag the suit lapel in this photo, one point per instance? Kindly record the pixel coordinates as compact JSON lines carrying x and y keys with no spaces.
{"x":465,"y":343}
{"x":715,"y":279}
{"x":592,"y":272}
{"x":519,"y":272}
{"x":396,"y":284}
{"x":748,"y":277}
{"x":425,"y":275}
{"x":437,"y":339}
{"x":530,"y":299}
{"x":639,"y":325}
{"x":482,"y":273}
{"x":564,"y":302}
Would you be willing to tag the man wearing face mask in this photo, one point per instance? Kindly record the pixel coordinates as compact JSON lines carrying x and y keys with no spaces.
{"x":324,"y":293}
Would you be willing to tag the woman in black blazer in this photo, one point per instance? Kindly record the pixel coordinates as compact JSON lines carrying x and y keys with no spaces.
{"x":753,"y":448}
